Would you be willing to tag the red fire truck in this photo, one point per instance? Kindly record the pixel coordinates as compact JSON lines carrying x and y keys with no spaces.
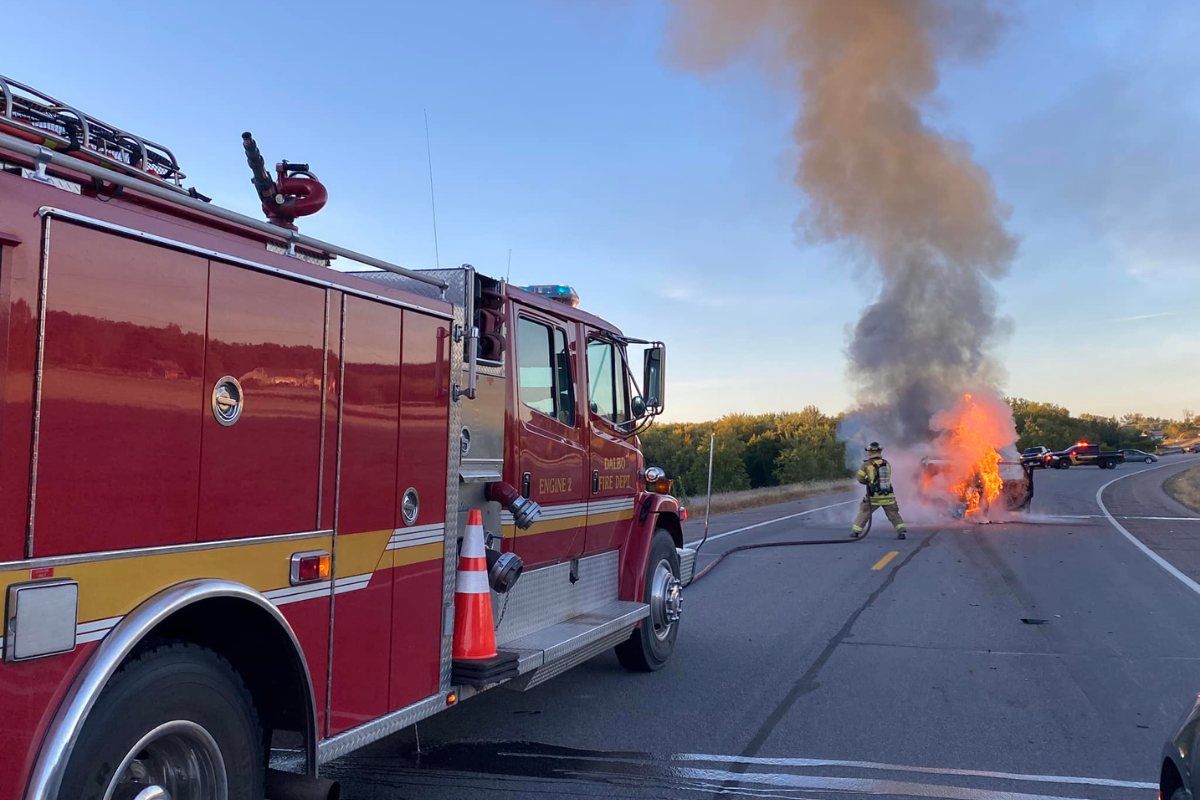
{"x":233,"y":480}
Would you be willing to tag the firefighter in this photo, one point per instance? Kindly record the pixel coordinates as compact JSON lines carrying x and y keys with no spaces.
{"x":876,"y":474}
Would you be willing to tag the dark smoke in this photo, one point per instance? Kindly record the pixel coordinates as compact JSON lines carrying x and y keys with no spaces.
{"x":907,"y":199}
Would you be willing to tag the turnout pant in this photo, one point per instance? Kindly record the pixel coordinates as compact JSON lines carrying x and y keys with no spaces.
{"x":866,"y":508}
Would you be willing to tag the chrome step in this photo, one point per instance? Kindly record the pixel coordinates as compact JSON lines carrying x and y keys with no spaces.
{"x":555,"y":649}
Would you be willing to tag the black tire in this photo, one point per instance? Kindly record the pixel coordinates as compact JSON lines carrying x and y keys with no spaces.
{"x":1148,"y":460}
{"x":647,"y":650}
{"x":167,"y":683}
{"x":1063,"y":465}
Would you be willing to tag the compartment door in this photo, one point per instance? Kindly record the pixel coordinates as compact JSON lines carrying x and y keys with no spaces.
{"x":118,"y":456}
{"x":417,"y":544}
{"x":259,"y":474}
{"x":366,"y":514}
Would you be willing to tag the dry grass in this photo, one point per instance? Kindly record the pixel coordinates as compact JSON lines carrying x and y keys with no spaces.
{"x":1183,"y":486}
{"x":766,"y":496}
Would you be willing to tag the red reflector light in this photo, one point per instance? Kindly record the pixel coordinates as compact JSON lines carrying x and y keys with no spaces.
{"x":310,"y":567}
{"x":683,"y":514}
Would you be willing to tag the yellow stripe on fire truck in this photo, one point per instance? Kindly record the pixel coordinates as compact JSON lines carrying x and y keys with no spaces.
{"x":111,"y":586}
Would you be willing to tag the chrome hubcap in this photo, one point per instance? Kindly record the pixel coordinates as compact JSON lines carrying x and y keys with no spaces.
{"x":666,"y":599}
{"x":178,"y":760}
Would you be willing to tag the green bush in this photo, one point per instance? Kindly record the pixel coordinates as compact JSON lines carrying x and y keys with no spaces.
{"x":752,"y":451}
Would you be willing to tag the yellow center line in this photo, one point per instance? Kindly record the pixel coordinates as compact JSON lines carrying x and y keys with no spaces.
{"x":883,"y":562}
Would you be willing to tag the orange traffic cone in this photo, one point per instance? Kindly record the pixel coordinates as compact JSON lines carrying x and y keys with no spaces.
{"x":474,"y":631}
{"x":476,"y":661}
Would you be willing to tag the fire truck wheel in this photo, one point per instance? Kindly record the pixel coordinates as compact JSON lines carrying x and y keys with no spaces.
{"x":649,"y":647}
{"x":175,"y":716}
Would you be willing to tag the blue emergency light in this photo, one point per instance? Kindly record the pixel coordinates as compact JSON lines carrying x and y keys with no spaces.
{"x":562,"y":294}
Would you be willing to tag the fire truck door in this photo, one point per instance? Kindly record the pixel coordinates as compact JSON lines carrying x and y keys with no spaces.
{"x":551,"y":449}
{"x":366,"y":514}
{"x":417,"y":544}
{"x":614,"y":460}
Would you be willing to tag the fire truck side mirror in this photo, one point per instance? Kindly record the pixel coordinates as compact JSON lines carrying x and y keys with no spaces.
{"x":654,"y":378}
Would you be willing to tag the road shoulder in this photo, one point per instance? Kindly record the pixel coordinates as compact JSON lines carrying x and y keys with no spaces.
{"x":1184,"y":488}
{"x":1166,"y":530}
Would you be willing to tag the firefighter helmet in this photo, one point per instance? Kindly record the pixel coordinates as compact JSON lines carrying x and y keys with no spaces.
{"x":874,"y":448}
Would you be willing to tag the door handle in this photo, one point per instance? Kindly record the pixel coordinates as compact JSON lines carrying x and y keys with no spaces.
{"x":525,"y":481}
{"x":595,"y":481}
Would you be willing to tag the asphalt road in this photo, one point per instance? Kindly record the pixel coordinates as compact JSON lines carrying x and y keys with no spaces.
{"x":1047,"y":658}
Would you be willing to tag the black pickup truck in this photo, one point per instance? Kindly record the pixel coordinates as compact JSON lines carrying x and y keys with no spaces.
{"x":1084,"y":454}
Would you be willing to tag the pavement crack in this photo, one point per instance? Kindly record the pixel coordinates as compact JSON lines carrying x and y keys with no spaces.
{"x":808,"y":681}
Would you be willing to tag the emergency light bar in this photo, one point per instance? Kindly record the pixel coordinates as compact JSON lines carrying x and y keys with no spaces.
{"x":563,"y":294}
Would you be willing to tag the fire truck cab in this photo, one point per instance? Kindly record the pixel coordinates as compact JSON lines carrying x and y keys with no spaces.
{"x":234,"y":480}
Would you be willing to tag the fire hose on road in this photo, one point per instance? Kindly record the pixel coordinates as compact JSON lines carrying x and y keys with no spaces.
{"x":791,"y":543}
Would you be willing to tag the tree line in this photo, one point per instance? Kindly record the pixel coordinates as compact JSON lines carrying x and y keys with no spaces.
{"x":752,"y":450}
{"x":756,"y":450}
{"x":1053,"y":426}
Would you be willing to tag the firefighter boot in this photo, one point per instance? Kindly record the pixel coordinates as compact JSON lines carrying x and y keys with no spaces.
{"x":893,"y":515}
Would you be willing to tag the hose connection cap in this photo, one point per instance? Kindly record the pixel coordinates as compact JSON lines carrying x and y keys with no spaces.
{"x":525,"y":511}
{"x":503,"y":570}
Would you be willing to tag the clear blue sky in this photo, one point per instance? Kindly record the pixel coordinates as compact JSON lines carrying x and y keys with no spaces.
{"x":559,"y":131}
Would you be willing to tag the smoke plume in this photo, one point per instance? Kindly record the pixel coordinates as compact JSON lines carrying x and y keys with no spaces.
{"x":908,"y":200}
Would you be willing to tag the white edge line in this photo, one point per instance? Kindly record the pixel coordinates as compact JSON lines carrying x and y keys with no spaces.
{"x":777,"y":519}
{"x":1155,"y":557}
{"x":875,"y":786}
{"x":874,"y":765}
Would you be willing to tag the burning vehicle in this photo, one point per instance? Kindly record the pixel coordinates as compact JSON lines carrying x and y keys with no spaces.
{"x":968,"y":476}
{"x":993,"y":486}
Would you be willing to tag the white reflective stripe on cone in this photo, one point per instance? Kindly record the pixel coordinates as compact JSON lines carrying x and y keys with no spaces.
{"x":472,"y":546}
{"x":472,"y":582}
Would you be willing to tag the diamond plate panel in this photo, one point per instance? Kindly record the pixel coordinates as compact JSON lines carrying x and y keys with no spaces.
{"x":363,"y":735}
{"x":546,"y":596}
{"x":574,"y":641}
{"x":450,"y":551}
{"x":607,"y":642}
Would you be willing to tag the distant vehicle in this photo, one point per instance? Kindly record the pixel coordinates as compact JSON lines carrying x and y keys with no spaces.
{"x":1176,"y":780}
{"x":1035,"y":456}
{"x":1084,"y":454}
{"x":1170,"y":451}
{"x":1139,"y":455}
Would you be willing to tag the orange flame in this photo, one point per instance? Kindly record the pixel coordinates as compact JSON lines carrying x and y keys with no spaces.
{"x":970,"y":431}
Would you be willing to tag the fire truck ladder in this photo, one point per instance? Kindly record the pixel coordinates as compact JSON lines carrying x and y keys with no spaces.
{"x":39,"y":118}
